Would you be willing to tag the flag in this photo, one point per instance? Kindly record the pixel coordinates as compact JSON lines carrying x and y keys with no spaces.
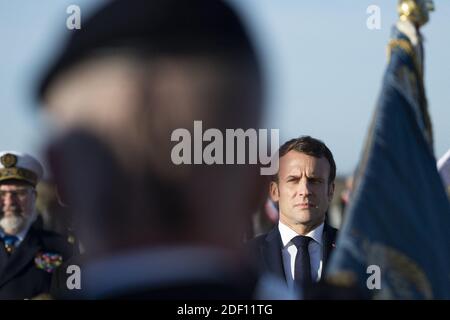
{"x":395,"y":240}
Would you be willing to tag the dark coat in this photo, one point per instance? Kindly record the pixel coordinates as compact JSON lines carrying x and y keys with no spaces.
{"x":266,"y":250}
{"x":20,"y":278}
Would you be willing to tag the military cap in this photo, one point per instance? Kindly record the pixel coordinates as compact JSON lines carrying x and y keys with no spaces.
{"x":157,"y":27}
{"x":20,"y":166}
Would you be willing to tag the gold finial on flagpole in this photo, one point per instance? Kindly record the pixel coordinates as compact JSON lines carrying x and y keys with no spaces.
{"x":416,"y":11}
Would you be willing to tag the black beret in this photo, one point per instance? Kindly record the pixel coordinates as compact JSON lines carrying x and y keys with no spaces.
{"x":158,"y":26}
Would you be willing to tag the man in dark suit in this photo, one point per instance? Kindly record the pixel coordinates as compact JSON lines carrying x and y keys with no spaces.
{"x":297,"y":249}
{"x":28,"y":254}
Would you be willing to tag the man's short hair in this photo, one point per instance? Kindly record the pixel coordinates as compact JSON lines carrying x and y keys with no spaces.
{"x":311,"y":147}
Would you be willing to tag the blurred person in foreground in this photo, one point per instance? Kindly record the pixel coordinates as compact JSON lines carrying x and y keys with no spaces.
{"x":28,"y":254}
{"x":134,"y":73}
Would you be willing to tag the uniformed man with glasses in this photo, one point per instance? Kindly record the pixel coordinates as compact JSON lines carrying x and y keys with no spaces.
{"x":28,"y":255}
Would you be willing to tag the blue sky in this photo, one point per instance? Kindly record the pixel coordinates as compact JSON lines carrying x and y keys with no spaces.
{"x":324,"y":68}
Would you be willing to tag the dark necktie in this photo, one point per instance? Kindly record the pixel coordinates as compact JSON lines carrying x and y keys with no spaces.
{"x":10,"y":243}
{"x":302,"y":262}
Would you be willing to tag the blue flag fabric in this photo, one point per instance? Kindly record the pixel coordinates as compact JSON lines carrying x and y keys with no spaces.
{"x":397,"y":226}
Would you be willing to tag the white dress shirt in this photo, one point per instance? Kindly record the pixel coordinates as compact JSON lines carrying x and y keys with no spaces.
{"x":289,"y":252}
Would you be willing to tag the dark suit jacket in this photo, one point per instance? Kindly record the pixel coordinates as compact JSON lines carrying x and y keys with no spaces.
{"x":20,"y":278}
{"x":266,"y":250}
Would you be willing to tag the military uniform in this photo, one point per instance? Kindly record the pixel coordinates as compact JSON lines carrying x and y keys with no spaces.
{"x":28,"y":255}
{"x":27,"y":271}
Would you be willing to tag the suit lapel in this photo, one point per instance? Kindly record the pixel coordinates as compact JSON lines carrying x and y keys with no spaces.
{"x":23,"y":254}
{"x":271,"y":251}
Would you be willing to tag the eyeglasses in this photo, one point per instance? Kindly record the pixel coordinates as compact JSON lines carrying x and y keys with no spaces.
{"x":20,"y":194}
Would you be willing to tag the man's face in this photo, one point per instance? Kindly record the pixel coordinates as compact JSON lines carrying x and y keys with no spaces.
{"x":302,"y":192}
{"x":17,"y":206}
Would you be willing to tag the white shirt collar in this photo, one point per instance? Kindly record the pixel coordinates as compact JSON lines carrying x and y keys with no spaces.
{"x":287,"y":233}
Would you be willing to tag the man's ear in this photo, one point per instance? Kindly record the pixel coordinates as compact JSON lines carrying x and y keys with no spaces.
{"x":331,"y":187}
{"x":274,"y":191}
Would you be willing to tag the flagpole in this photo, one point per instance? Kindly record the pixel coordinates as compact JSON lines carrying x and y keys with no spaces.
{"x":415,"y":13}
